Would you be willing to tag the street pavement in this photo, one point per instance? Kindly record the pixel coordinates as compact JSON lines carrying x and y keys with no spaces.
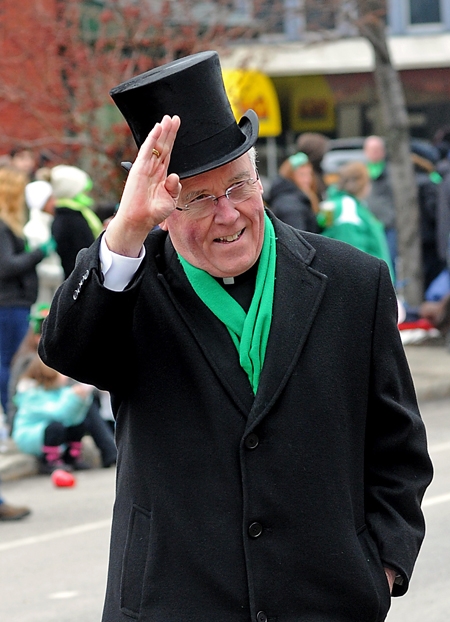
{"x":429,"y":362}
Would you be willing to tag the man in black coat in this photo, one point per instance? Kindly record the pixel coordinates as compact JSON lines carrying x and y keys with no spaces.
{"x":271,"y":455}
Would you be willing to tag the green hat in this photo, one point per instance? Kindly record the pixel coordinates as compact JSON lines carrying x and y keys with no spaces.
{"x":298,"y":159}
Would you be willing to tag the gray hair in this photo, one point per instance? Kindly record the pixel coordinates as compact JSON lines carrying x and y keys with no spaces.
{"x":253,"y":157}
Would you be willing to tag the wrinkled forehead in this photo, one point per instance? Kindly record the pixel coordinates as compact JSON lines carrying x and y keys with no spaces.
{"x":221,"y":177}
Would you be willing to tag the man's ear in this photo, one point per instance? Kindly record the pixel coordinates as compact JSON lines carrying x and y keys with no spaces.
{"x":163,"y":225}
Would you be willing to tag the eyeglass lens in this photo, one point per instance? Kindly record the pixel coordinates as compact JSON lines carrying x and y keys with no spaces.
{"x":236,"y":194}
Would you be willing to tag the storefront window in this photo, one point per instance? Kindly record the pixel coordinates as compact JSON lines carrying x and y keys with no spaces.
{"x":425,"y":11}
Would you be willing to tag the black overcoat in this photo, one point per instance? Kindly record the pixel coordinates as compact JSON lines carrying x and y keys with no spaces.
{"x":234,"y":508}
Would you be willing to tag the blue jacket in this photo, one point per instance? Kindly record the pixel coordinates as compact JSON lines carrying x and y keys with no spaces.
{"x":38,"y":407}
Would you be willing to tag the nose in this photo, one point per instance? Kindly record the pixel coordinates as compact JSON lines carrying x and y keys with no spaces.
{"x":225,"y":211}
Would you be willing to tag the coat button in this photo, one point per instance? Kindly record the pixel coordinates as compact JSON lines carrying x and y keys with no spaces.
{"x":255,"y":530}
{"x":252,"y":441}
{"x":261,"y":617}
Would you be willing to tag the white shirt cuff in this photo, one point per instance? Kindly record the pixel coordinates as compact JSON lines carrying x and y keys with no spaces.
{"x":118,"y":270}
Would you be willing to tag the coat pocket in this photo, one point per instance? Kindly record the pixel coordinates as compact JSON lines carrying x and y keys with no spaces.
{"x":376,"y":569}
{"x":135,"y":561}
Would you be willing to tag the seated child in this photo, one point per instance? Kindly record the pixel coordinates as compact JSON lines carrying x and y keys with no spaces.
{"x":49,"y":422}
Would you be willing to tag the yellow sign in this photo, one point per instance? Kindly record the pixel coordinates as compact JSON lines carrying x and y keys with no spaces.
{"x":253,"y":89}
{"x":312,"y":105}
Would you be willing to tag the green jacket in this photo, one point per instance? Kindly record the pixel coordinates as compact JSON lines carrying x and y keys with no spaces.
{"x":353,"y":223}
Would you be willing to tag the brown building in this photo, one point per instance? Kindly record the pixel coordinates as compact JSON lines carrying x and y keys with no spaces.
{"x":30,"y":83}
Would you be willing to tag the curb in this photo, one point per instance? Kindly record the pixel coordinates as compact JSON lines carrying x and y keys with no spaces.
{"x":16,"y":465}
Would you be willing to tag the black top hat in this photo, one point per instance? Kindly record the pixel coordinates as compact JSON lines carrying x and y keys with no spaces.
{"x":192,"y":88}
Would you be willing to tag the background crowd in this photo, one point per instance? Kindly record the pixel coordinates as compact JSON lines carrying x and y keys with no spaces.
{"x":47,"y":215}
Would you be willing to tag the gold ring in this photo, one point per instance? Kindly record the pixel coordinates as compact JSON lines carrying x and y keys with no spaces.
{"x":156,"y":152}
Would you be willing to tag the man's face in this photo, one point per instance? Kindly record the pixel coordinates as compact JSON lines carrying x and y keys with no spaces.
{"x":228,"y":240}
{"x":374,"y":149}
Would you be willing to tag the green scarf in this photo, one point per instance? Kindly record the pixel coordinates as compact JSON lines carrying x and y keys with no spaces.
{"x":79,"y":205}
{"x":249,"y":331}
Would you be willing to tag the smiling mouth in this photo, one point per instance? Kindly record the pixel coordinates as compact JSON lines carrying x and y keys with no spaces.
{"x":228,"y":239}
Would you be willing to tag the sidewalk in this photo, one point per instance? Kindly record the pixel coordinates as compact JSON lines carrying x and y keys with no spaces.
{"x":430,"y":367}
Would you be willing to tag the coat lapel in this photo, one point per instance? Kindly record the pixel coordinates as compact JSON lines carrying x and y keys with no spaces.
{"x":209,"y":332}
{"x":298,"y":292}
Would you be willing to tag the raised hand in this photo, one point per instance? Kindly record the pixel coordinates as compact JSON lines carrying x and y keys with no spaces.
{"x":150,"y":194}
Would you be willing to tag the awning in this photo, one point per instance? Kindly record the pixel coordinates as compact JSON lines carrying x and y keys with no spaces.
{"x":253,"y":89}
{"x":351,"y":55}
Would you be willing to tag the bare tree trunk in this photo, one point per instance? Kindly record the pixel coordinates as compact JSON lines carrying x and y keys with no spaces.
{"x":391,"y":97}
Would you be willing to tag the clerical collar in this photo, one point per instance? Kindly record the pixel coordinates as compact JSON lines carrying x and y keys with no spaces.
{"x":248,"y":275}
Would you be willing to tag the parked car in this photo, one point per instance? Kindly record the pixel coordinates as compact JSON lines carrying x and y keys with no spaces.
{"x":344,"y":150}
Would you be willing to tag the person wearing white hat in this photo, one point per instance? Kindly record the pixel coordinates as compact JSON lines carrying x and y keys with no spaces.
{"x":40,"y":200}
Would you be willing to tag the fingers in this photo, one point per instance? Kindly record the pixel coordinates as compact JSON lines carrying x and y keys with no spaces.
{"x":161,"y":137}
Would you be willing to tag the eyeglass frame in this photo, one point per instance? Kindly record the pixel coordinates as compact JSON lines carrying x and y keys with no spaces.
{"x":215,"y":200}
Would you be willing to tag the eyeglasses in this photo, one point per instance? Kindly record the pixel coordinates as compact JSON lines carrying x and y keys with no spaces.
{"x":203,"y":205}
